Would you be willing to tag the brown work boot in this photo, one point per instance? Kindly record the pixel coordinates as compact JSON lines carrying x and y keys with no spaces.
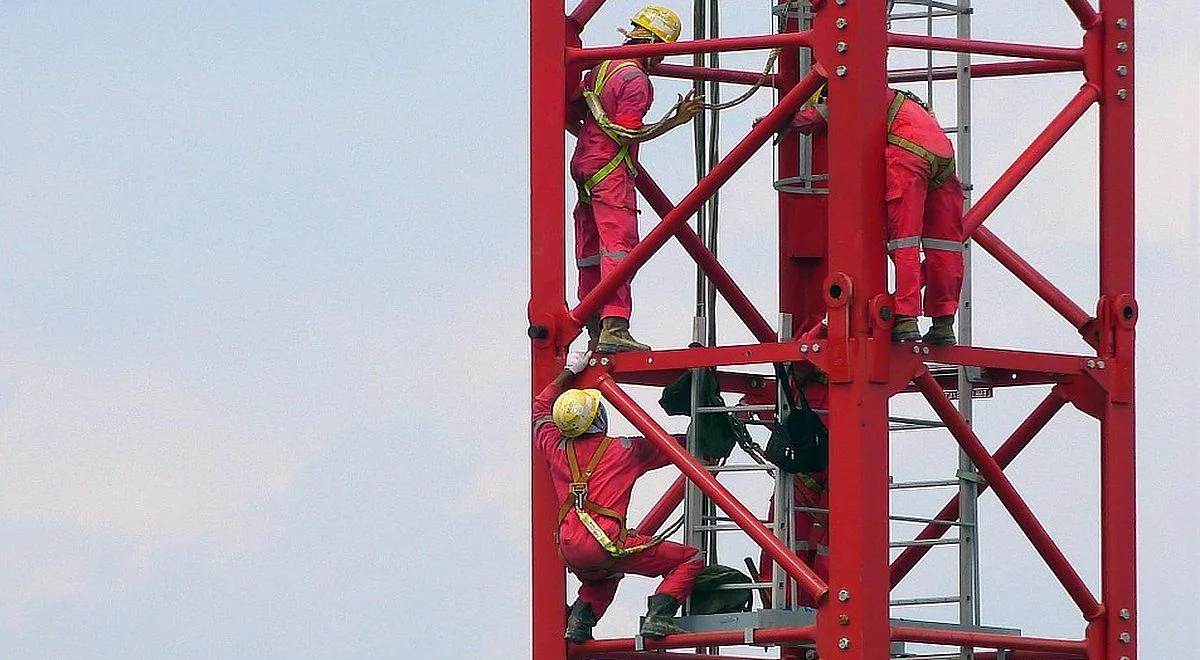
{"x":615,"y":337}
{"x":905,"y":329}
{"x":593,"y":330}
{"x":941,"y":333}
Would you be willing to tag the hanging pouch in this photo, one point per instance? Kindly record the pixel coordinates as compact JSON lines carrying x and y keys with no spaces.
{"x":799,"y":440}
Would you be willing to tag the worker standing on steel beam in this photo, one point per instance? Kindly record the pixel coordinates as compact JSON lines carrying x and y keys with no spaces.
{"x":593,"y":474}
{"x":924,"y":212}
{"x":612,"y":101}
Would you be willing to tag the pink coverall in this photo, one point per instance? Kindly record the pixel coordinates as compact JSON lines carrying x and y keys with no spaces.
{"x":610,"y":485}
{"x":606,"y":229}
{"x":917,"y":216}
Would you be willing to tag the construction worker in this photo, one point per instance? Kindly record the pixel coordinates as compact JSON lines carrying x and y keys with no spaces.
{"x":612,"y":100}
{"x":593,"y":476}
{"x":924,"y":211}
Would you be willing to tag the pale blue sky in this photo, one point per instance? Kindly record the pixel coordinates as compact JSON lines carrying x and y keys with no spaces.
{"x":262,"y":358}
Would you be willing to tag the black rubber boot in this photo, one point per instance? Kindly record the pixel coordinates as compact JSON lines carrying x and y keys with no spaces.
{"x":660,"y":613}
{"x":942,"y":332}
{"x":580,"y":623}
{"x":905,"y":329}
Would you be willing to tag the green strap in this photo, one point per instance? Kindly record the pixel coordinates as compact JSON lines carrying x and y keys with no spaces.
{"x":940,"y":169}
{"x":603,"y":75}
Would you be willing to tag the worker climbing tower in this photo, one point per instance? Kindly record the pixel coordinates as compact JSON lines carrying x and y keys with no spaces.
{"x":832,"y":265}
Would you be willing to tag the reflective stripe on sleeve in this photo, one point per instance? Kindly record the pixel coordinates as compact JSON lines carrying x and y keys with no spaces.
{"x":542,"y":421}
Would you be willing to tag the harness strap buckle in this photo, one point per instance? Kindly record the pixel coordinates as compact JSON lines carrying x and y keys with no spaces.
{"x":579,"y":491}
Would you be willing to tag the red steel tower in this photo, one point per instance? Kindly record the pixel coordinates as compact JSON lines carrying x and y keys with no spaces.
{"x":837,"y":267}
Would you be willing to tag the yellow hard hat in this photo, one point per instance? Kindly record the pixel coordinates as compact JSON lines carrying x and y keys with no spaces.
{"x":659,"y":21}
{"x":575,"y":410}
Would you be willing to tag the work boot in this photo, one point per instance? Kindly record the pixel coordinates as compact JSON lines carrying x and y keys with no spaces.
{"x":593,"y":330}
{"x":580,"y":623}
{"x":615,"y":337}
{"x":660,"y":613}
{"x":905,"y":329}
{"x":941,"y":333}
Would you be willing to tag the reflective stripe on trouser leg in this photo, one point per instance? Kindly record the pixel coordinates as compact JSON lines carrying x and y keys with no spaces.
{"x":943,"y":249}
{"x":587,"y":247}
{"x":908,"y":177}
{"x":614,"y":208}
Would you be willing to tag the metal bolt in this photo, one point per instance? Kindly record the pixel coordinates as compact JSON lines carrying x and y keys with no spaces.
{"x":1122,"y":46}
{"x":1122,"y":93}
{"x":1122,"y":23}
{"x":803,"y":348}
{"x":1124,"y":637}
{"x":1099,"y":364}
{"x":841,"y":47}
{"x":925,"y":350}
{"x":916,"y":350}
{"x":844,"y":643}
{"x":1125,"y":613}
{"x":844,"y":619}
{"x":841,"y":23}
{"x":1122,"y":71}
{"x":843,"y":595}
{"x":841,"y":71}
{"x":1091,"y":364}
{"x":603,"y":360}
{"x":816,"y":348}
{"x":841,"y":2}
{"x":592,"y":362}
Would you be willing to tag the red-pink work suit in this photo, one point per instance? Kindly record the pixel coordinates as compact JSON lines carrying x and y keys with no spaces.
{"x":606,"y":226}
{"x":922,"y":212}
{"x":810,"y":491}
{"x":610,"y":486}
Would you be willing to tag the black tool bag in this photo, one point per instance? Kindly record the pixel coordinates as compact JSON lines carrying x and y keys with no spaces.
{"x":799,"y":440}
{"x":716,"y":433}
{"x":707,"y":599}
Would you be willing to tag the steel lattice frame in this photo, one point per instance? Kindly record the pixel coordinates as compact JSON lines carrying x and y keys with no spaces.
{"x":846,"y":276}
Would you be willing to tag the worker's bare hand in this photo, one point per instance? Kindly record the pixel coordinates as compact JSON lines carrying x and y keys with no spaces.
{"x":689,"y":106}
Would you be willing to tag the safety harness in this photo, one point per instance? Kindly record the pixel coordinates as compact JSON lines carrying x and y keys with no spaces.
{"x":592,"y":97}
{"x":577,"y":500}
{"x":940,"y":169}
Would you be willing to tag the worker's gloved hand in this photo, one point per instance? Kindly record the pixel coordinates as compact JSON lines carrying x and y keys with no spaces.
{"x":577,"y":361}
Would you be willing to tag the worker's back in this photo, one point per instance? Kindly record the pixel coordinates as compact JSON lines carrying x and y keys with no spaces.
{"x":626,"y":98}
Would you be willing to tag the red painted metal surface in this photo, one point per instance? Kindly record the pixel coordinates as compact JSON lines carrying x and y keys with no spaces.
{"x":713,"y":75}
{"x":841,"y":235}
{"x":991,"y":70}
{"x":597,"y":648}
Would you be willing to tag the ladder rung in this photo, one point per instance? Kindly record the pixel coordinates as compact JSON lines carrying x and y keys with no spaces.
{"x":747,"y":467}
{"x":741,"y":585}
{"x":729,"y":409}
{"x":919,"y":519}
{"x":913,"y":485}
{"x":923,"y":543}
{"x":916,"y":421}
{"x":933,"y":600}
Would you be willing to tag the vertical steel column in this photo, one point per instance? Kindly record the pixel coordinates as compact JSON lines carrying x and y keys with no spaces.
{"x":968,"y":486}
{"x":850,"y":42}
{"x":547,"y":162}
{"x":1118,"y":314}
{"x":782,"y":592}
